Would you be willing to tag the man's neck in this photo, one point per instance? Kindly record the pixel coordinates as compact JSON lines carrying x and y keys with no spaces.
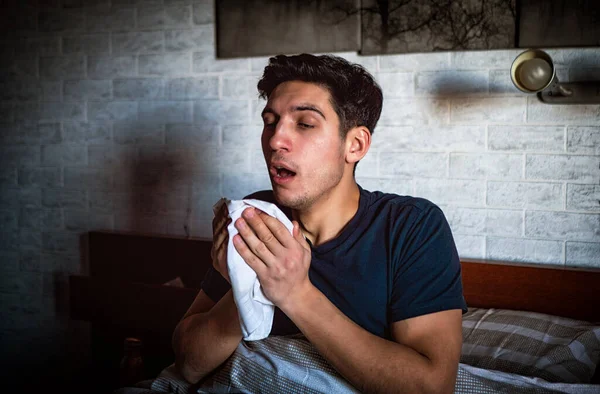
{"x":326,"y":218}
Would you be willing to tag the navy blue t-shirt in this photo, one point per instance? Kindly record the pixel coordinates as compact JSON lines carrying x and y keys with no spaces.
{"x":394,"y":260}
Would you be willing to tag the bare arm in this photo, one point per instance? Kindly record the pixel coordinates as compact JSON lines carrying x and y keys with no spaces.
{"x":209,"y":332}
{"x":423,"y":358}
{"x":206,"y":336}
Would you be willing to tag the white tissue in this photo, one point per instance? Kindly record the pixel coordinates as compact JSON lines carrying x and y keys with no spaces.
{"x":254,"y":308}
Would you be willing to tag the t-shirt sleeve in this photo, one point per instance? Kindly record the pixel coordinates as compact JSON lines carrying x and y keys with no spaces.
{"x":427,"y":271}
{"x":214,"y":285}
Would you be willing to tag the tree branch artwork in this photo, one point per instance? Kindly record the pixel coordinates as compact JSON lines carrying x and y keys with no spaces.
{"x":266,"y":27}
{"x":402,"y":26}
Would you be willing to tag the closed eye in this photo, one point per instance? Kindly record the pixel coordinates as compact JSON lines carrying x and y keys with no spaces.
{"x":305,"y":125}
{"x":268,"y":124}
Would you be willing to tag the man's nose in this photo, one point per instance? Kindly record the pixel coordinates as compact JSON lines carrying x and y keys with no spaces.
{"x":281,"y":138}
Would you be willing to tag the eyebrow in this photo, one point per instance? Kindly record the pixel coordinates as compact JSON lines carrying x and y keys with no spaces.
{"x":303,"y":107}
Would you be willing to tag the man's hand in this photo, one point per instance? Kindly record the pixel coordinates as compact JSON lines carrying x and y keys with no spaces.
{"x":218,"y":252}
{"x":280,"y":259}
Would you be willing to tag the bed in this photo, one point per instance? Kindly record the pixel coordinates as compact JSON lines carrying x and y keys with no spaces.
{"x":529,"y":328}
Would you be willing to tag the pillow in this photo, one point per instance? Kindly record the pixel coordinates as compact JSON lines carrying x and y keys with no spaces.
{"x":552,"y":348}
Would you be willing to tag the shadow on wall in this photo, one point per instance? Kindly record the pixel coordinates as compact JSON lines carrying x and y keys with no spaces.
{"x":157,"y":182}
{"x":164,"y":188}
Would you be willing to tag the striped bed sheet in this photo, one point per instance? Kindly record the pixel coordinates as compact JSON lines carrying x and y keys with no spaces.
{"x":290,"y":364}
{"x":553,"y":348}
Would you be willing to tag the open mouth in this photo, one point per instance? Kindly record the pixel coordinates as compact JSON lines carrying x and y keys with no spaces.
{"x":282,"y":172}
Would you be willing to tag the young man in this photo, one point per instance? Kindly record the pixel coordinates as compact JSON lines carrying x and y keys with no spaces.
{"x":371,"y":279}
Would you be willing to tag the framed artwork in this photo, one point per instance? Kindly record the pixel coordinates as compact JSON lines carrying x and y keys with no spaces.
{"x":404,"y":26}
{"x":371,"y":27}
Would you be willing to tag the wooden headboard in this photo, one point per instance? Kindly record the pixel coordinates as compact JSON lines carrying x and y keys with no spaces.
{"x":561,"y":291}
{"x":124,"y":295}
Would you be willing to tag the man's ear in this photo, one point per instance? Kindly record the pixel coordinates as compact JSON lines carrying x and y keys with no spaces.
{"x":358,"y":142}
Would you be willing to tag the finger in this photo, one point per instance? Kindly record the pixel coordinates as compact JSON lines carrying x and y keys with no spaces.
{"x":256,"y":221}
{"x":249,"y":257}
{"x":221,"y":234}
{"x":220,"y":218}
{"x":277,"y":229}
{"x":253,"y":243}
{"x":298,"y":236}
{"x":220,"y":238}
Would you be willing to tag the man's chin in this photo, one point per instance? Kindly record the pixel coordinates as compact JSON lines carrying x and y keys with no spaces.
{"x":280,"y":196}
{"x":285,"y":198}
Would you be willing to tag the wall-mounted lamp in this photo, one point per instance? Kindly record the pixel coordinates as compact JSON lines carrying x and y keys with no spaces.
{"x":533,"y":72}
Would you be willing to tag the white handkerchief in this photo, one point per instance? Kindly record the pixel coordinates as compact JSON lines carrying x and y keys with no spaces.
{"x":254,"y":308}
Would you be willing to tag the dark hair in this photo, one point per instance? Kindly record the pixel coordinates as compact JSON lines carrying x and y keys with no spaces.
{"x":356,"y":97}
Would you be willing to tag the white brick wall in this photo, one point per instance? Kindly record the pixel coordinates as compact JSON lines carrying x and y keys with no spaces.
{"x":117,"y":115}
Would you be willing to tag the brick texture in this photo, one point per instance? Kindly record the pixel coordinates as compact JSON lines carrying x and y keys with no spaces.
{"x":117,"y":115}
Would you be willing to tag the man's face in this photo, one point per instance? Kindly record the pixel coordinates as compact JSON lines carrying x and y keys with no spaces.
{"x":301,"y":143}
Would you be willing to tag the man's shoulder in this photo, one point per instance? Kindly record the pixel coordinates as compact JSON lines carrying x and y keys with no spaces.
{"x":396,"y":202}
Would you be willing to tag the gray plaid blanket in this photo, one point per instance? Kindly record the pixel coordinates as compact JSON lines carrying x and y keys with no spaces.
{"x":292,"y":365}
